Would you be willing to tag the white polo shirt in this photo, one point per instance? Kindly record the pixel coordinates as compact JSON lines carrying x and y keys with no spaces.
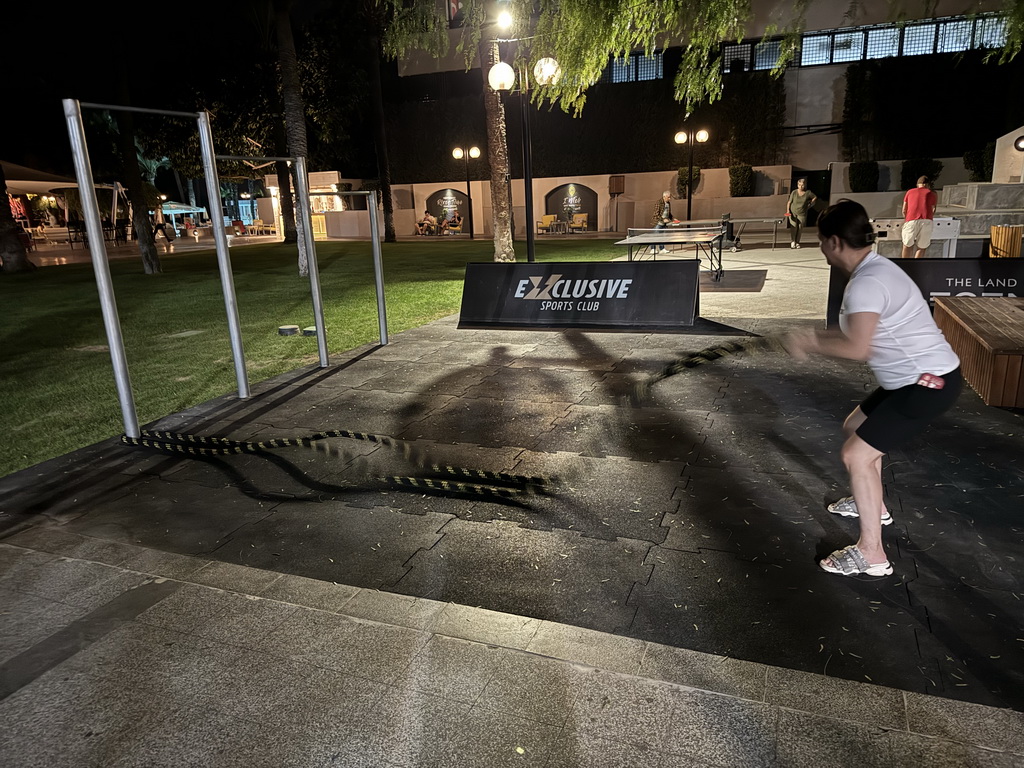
{"x":907,"y":343}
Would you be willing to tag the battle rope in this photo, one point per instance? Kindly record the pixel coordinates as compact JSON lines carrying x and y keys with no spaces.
{"x":643,"y":388}
{"x":500,"y":485}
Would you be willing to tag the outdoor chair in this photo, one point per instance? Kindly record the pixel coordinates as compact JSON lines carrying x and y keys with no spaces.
{"x":257,"y":227}
{"x":546,"y":223}
{"x":579,"y":222}
{"x":454,"y":230}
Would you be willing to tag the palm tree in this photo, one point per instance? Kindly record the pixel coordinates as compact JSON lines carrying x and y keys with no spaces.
{"x":497,"y":152}
{"x":291,"y":95}
{"x":141,"y":225}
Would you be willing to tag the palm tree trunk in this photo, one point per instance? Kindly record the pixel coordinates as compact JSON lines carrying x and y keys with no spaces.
{"x":136,"y":193}
{"x":291,"y":94}
{"x":497,"y":154}
{"x":381,"y":141}
{"x":284,"y":184}
{"x":12,"y":252}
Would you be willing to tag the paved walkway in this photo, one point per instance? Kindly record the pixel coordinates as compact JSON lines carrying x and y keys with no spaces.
{"x":57,"y":254}
{"x":662,"y":607}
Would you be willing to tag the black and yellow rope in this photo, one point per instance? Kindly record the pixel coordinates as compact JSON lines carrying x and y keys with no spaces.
{"x":500,"y":485}
{"x":642,"y":389}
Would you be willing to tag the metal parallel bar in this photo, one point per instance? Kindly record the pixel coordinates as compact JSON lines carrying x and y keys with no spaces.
{"x":302,"y":187}
{"x":223,"y":257}
{"x":360,"y":193}
{"x":98,"y":250}
{"x":378,"y":270}
{"x":243,"y":157}
{"x":143,"y":110}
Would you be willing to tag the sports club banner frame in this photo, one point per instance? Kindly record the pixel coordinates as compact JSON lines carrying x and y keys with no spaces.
{"x":618,"y":296}
{"x":944,"y":277}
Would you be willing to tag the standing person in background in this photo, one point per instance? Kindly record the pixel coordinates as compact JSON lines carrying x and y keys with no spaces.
{"x":800,"y":201}
{"x":662,"y":217}
{"x":885,"y":321}
{"x":919,"y":214}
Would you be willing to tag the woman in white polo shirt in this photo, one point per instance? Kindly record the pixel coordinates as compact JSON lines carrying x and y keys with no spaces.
{"x":884,"y":320}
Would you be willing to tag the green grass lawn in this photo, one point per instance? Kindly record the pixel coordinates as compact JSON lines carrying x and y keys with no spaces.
{"x":56,"y":382}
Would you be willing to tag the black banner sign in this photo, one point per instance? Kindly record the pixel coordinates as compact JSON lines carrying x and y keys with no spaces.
{"x":944,"y":277}
{"x":652,"y":295}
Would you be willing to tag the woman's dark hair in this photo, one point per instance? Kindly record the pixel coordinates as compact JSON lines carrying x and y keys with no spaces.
{"x":849,"y":222}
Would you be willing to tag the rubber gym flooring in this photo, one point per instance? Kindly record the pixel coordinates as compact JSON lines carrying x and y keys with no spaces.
{"x":694,"y":521}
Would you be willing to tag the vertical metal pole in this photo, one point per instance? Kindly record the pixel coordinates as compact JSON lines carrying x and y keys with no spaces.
{"x":527,"y":164}
{"x":302,"y":187}
{"x":98,"y":250}
{"x":227,"y":281}
{"x":689,"y":180}
{"x":469,"y":196}
{"x":378,"y":271}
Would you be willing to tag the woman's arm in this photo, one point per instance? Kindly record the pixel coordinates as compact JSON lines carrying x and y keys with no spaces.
{"x":854,"y":346}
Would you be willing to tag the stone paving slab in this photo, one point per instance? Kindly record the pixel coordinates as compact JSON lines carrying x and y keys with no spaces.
{"x":208,"y":676}
{"x":544,"y":567}
{"x":647,"y":434}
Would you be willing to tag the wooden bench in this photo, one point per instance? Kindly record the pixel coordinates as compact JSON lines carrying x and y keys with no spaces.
{"x":988,"y":335}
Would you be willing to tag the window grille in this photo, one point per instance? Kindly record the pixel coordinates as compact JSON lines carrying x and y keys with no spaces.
{"x":848,"y":46}
{"x":955,"y":36}
{"x":883,"y":43}
{"x":736,"y":57}
{"x":990,"y":32}
{"x":622,"y":70}
{"x":816,"y":49}
{"x":636,"y":66}
{"x":766,"y":55}
{"x":649,"y":67}
{"x":919,"y":39}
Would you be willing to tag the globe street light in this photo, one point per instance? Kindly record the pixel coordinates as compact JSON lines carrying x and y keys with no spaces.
{"x":699,"y":137}
{"x":502,"y":78}
{"x":459,"y":154}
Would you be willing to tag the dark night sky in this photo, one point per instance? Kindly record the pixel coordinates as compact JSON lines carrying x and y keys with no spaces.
{"x":84,"y":50}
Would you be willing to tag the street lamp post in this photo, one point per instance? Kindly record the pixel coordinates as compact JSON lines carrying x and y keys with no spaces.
{"x":502,"y":78}
{"x":698,"y":137}
{"x":459,"y":154}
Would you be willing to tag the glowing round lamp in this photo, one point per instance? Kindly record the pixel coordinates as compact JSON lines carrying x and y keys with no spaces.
{"x":1018,"y":143}
{"x":681,"y":137}
{"x":474,"y":152}
{"x":701,"y":136}
{"x":457,"y":153}
{"x":501,"y":77}
{"x":547,"y":71}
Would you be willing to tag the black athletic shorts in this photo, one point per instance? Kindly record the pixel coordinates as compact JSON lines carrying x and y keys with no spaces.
{"x":897,"y":415}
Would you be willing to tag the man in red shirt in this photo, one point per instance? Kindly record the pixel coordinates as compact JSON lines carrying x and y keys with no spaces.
{"x":918,"y":211}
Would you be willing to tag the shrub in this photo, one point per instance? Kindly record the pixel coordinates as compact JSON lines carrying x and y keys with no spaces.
{"x":979,"y":162}
{"x":682,"y":189}
{"x":864,"y":176}
{"x":913,"y":169}
{"x":741,"y":181}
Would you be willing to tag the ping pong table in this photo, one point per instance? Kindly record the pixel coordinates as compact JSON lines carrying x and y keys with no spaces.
{"x":643,"y":243}
{"x":734,"y":228}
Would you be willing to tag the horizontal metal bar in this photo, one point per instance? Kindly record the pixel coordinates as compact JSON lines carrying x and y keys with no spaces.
{"x":121,"y":108}
{"x":357,"y":193}
{"x":241,"y":157}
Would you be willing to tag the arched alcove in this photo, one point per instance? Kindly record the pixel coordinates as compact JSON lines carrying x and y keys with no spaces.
{"x":572,"y":198}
